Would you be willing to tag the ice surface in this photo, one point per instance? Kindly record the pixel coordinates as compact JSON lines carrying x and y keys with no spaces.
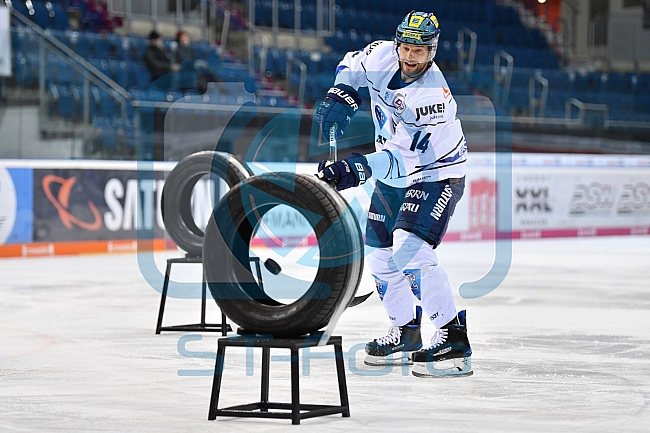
{"x":561,"y":345}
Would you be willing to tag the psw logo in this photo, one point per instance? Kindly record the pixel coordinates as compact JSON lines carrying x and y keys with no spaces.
{"x":594,"y":197}
{"x":531,"y":200}
{"x":634,"y":199}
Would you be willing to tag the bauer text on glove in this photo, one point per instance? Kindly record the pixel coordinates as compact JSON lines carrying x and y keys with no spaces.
{"x":340,"y":104}
{"x":347,"y":173}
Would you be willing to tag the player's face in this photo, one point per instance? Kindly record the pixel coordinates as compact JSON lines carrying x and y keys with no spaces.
{"x":413,"y":58}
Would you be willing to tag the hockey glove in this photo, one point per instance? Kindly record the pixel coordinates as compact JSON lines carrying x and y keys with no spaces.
{"x":347,"y":173}
{"x":340,"y":104}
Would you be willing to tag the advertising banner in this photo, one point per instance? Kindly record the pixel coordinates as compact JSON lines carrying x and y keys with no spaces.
{"x":570,"y":198}
{"x":16,"y":208}
{"x":92,"y":204}
{"x":61,"y":207}
{"x":78,"y":204}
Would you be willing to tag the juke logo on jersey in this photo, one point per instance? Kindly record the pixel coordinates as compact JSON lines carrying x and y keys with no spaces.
{"x":429,"y":110}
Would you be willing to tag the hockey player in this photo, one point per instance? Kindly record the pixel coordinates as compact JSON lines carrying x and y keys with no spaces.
{"x":419,"y":168}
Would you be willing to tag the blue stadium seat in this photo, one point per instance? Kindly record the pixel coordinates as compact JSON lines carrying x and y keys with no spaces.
{"x":21,"y":8}
{"x":264,"y":13}
{"x":81,"y":44}
{"x":136,"y":47}
{"x":61,"y":17}
{"x":25,"y":70}
{"x":341,"y":19}
{"x":308,"y":17}
{"x":286,"y":13}
{"x":117,"y":71}
{"x":100,"y":47}
{"x":138,"y":75}
{"x":60,"y":71}
{"x":41,"y":15}
{"x":108,"y":139}
{"x":117,"y":46}
{"x":75,"y":101}
{"x":66,"y":101}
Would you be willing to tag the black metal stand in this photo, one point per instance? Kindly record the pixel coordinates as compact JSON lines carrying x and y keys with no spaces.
{"x":297,"y":411}
{"x":222,"y":327}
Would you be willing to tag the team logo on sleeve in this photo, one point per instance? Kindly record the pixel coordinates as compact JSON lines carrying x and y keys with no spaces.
{"x":381,"y":117}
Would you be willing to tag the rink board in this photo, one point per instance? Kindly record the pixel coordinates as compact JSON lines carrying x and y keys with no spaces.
{"x":76,"y":207}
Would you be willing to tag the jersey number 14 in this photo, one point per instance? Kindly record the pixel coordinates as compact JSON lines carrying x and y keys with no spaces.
{"x":421,"y":145}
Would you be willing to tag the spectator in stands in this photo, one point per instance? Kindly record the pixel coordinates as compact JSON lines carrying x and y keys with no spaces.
{"x":157,"y":60}
{"x":183,"y":50}
{"x":185,"y":57}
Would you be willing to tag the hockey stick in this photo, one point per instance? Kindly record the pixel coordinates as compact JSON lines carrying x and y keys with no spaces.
{"x":346,"y":302}
{"x":333,"y":144}
{"x":359,"y":299}
{"x":333,"y":157}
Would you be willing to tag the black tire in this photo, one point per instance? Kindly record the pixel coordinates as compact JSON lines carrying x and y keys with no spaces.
{"x":177,"y":193}
{"x":226,"y":261}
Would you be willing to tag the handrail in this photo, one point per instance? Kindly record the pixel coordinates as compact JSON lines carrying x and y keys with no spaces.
{"x":582,"y":108}
{"x":98,"y":77}
{"x":303,"y":75}
{"x":297,"y":9}
{"x":533,"y":100}
{"x":598,"y":20}
{"x":462,"y":54}
{"x":263,"y":53}
{"x":502,"y":75}
{"x":124,"y":10}
{"x":224,"y":30}
{"x":297,"y":29}
{"x":90,"y":74}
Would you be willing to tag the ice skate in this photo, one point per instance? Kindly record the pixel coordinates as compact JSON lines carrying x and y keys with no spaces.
{"x":395,"y":348}
{"x":450,"y":354}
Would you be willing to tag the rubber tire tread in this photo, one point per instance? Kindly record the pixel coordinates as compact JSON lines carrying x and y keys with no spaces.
{"x":231,"y":221}
{"x":176,"y":197}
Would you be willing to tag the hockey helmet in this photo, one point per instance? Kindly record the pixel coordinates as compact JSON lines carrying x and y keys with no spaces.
{"x":419,"y":28}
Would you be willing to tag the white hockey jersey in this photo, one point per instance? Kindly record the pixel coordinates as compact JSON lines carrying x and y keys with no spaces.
{"x":417,"y":135}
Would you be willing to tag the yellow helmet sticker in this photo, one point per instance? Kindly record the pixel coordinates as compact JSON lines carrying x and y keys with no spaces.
{"x":415,"y":21}
{"x":411,"y":35}
{"x":435,"y":20}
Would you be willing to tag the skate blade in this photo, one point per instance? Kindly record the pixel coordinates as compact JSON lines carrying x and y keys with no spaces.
{"x":399,"y":358}
{"x":459,"y":367}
